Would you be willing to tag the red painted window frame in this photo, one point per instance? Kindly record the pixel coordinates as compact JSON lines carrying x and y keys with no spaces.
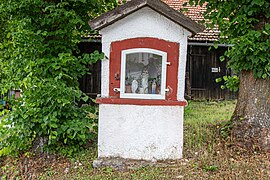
{"x":172,"y":50}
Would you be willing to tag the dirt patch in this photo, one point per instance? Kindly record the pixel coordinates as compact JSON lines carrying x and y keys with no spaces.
{"x":225,"y":161}
{"x":31,"y":166}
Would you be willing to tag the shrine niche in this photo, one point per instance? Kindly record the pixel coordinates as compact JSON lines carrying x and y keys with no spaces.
{"x":142,"y":101}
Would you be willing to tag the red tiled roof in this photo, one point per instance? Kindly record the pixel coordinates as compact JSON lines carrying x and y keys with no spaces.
{"x":196,"y":14}
{"x":124,"y":10}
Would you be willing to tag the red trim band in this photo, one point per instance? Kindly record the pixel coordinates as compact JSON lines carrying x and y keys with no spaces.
{"x":142,"y":102}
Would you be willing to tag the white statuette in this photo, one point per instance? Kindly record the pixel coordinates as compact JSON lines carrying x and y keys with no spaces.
{"x":134,"y":86}
{"x":145,"y":77}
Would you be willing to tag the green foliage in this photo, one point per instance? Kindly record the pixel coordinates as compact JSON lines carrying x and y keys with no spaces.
{"x":246,"y":25}
{"x":225,"y":129}
{"x":40,"y":56}
{"x":230,"y":82}
{"x":210,"y":168}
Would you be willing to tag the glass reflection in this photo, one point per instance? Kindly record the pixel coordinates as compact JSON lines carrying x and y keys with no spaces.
{"x":143,"y":73}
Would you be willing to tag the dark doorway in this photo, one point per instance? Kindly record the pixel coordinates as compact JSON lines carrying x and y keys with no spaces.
{"x":203,"y":68}
{"x":90,"y":84}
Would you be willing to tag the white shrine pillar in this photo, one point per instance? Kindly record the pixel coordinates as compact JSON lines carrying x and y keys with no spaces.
{"x":143,"y":78}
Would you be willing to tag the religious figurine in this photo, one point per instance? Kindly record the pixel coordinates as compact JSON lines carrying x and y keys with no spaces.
{"x":134,"y":86}
{"x":145,"y":77}
{"x":158,"y":90}
{"x":128,"y":89}
{"x":141,"y":90}
{"x":154,"y":87}
{"x":128,"y":83}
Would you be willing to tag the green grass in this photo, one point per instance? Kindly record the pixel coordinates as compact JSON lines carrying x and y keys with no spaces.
{"x":204,"y":112}
{"x":201,"y":118}
{"x":206,"y":155}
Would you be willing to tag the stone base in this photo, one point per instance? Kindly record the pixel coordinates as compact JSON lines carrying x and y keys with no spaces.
{"x":140,"y":132}
{"x":118,"y":163}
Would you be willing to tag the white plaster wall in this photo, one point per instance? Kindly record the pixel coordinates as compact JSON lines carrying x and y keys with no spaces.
{"x":140,"y":132}
{"x":144,"y":23}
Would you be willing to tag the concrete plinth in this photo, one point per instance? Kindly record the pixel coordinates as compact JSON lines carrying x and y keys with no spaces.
{"x":140,"y":132}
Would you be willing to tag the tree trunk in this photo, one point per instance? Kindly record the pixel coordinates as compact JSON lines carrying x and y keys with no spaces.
{"x":251,"y":117}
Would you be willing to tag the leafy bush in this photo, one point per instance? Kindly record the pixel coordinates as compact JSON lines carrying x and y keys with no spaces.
{"x":48,"y":110}
{"x":39,"y":55}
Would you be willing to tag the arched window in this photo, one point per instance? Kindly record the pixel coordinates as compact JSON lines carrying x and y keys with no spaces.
{"x":143,"y":73}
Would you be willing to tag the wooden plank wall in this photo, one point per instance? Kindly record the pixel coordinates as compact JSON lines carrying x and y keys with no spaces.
{"x":202,"y":77}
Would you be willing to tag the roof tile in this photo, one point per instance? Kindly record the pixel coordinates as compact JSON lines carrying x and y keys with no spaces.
{"x":196,"y":14}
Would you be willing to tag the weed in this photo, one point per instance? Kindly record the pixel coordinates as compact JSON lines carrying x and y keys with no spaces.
{"x":210,"y":168}
{"x":107,"y":170}
{"x":225,"y":129}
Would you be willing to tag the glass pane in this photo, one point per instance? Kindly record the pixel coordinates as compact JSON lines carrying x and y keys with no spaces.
{"x":143,"y":73}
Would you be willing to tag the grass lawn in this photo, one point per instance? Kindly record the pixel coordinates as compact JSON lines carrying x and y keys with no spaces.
{"x":208,"y":154}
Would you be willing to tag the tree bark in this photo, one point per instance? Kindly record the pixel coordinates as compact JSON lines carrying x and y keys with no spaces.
{"x":251,"y":118}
